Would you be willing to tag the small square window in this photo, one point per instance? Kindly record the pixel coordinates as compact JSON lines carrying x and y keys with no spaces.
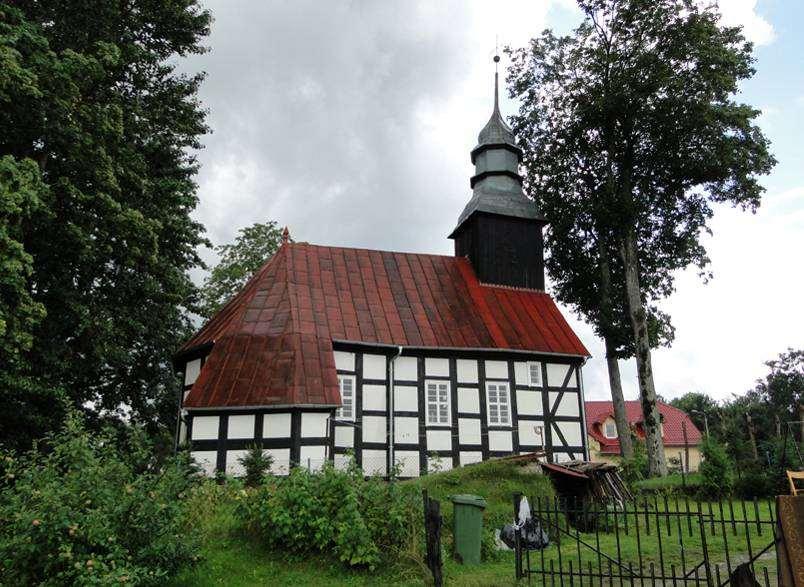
{"x":347,"y":387}
{"x":534,"y":374}
{"x":611,"y":430}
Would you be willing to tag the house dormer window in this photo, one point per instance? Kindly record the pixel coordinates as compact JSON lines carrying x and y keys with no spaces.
{"x":534,"y":374}
{"x":610,"y":429}
{"x":347,"y":387}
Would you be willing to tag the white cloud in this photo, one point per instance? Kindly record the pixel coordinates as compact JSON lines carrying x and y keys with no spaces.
{"x":744,"y":13}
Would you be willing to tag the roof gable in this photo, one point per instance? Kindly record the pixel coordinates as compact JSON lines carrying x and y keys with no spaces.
{"x":272,"y":343}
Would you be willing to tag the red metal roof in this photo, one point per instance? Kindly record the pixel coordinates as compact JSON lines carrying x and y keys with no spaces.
{"x":272,"y":343}
{"x":672,"y":418}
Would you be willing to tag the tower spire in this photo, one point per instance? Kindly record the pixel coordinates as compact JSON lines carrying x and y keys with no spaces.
{"x":496,"y":86}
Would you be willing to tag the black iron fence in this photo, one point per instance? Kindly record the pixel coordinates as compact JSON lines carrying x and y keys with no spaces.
{"x":656,"y":541}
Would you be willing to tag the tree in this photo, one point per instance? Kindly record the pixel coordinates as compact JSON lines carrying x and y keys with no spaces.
{"x":96,"y":135}
{"x":252,"y":247}
{"x":703,"y":411}
{"x":631,"y":134}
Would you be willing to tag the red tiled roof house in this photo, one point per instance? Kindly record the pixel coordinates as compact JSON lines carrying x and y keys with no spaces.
{"x":680,"y":435}
{"x":395,"y":358}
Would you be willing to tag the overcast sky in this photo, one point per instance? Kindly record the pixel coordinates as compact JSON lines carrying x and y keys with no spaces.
{"x":352,"y":121}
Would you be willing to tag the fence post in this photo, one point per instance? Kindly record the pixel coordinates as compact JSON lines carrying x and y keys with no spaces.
{"x":432,"y":529}
{"x":517,"y":543}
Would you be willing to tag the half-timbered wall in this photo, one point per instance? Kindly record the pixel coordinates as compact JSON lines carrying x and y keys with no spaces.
{"x":545,"y":413}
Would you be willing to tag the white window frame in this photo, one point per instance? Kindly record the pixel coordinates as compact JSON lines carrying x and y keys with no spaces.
{"x":438,"y":402}
{"x":606,"y":429}
{"x":531,"y":365}
{"x":507,"y":405}
{"x":351,"y":403}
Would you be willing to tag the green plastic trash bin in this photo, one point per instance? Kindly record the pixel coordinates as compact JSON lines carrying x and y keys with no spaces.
{"x":467,"y":527}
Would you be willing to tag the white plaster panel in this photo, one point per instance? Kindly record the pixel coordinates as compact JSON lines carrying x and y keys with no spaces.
{"x":528,"y":434}
{"x":468,"y":400}
{"x":312,"y":457}
{"x":496,"y":370}
{"x":406,"y":369}
{"x":571,"y":432}
{"x":342,"y":462}
{"x":344,"y":361}
{"x":521,"y":373}
{"x":375,"y":462}
{"x":529,"y":403}
{"x":205,"y":427}
{"x":241,"y":426}
{"x":374,"y":429}
{"x":233,"y":465}
{"x":469,"y":457}
{"x":561,"y":457}
{"x":568,"y":405}
{"x":408,"y":461}
{"x":374,"y":397}
{"x":468,"y":431}
{"x":373,"y":367}
{"x":276,"y":426}
{"x":439,"y":440}
{"x":467,"y":371}
{"x":182,"y":432}
{"x":281,"y":456}
{"x":500,"y":440}
{"x":439,"y":464}
{"x":406,"y":398}
{"x":406,"y":430}
{"x":191,"y":371}
{"x":207,"y":460}
{"x":556,"y":374}
{"x":344,"y":436}
{"x":438,"y":367}
{"x":314,"y":424}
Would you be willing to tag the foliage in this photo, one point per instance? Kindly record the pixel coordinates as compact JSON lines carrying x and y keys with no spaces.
{"x":257,"y":464}
{"x":85,"y":512}
{"x":636,"y":468}
{"x":252,"y":247}
{"x":362,"y":521}
{"x":701,"y":409}
{"x":606,"y":119}
{"x":716,"y":470}
{"x":672,"y":484}
{"x":97,"y":131}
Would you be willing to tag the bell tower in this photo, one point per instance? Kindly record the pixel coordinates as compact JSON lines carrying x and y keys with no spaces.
{"x":500,"y":229}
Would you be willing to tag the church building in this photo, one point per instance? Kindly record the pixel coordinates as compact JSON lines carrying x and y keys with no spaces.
{"x":417,"y":362}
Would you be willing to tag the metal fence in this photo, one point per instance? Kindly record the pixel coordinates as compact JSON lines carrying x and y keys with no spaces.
{"x":657,"y":541}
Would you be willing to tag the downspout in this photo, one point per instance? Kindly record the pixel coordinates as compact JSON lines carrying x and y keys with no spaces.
{"x":391,"y":367}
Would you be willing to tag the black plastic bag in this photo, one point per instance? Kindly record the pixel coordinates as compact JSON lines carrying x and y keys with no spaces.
{"x":531,"y":535}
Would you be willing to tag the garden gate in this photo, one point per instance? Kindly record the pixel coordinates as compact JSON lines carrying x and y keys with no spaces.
{"x":658,"y":541}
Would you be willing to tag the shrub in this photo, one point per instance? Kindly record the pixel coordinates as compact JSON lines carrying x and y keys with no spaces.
{"x":753,"y":481}
{"x":257,"y":464}
{"x":82,"y":512}
{"x":636,"y":468}
{"x":717,"y":476}
{"x":360,"y":520}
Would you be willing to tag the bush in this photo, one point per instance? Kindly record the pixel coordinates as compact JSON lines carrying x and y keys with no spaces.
{"x":361,"y":520}
{"x":257,"y":464}
{"x":753,"y":481}
{"x":717,"y":476}
{"x":83,"y":512}
{"x":636,"y":468}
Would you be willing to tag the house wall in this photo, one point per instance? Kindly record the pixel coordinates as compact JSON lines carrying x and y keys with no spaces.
{"x":311,"y":436}
{"x":419,"y":447}
{"x":670,"y":452}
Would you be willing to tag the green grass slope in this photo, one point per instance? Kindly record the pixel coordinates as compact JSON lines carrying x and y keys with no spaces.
{"x":232,"y":558}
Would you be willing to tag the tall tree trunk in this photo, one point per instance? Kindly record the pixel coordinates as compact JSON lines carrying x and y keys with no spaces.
{"x":647,"y":390}
{"x":620,"y":417}
{"x":615,"y":383}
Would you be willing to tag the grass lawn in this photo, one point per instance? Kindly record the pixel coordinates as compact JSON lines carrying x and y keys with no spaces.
{"x":671,"y":482}
{"x":232,"y":558}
